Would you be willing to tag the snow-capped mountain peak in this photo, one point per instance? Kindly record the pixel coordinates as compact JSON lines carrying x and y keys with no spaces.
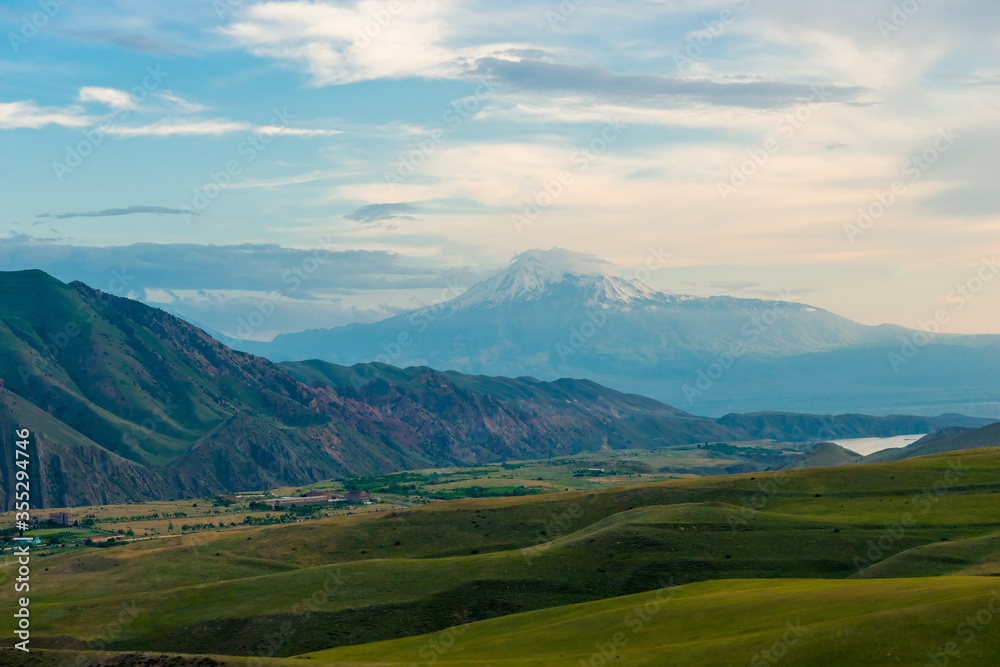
{"x":535,"y":273}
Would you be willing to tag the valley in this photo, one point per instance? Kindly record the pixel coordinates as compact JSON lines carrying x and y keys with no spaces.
{"x":386,"y":575}
{"x":236,"y":509}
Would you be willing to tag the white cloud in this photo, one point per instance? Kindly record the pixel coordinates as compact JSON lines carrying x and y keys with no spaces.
{"x":373,"y":39}
{"x":180,"y":103}
{"x":217,"y":126}
{"x":27,"y":114}
{"x":110,"y":97}
{"x":295,"y":131}
{"x":170,"y":128}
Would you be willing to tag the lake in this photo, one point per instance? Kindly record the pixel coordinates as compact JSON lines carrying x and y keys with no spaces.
{"x":866,"y":446}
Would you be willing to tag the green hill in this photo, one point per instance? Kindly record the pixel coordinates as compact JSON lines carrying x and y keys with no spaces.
{"x":390,"y":575}
{"x":824,"y":454}
{"x":793,"y":622}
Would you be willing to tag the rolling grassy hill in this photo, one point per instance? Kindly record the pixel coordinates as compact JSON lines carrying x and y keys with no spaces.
{"x":800,"y":623}
{"x":792,"y":622}
{"x":392,"y":575}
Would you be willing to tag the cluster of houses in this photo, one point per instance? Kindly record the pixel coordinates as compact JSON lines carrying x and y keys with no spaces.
{"x":64,"y":519}
{"x":59,"y":519}
{"x":311,"y":498}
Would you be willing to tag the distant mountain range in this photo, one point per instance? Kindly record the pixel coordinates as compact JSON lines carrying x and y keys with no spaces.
{"x":553,"y":314}
{"x":127,"y":402}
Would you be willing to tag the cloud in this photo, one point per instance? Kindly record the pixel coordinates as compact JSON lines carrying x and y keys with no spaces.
{"x":112,"y":212}
{"x":535,"y":75}
{"x":734,"y":285}
{"x":110,"y":97}
{"x":381,"y":212}
{"x":172,"y":128}
{"x":339,"y":43}
{"x":295,"y":131}
{"x":131,"y":42}
{"x":216,"y":126}
{"x":266,"y":268}
{"x":28,"y":115}
{"x":223,"y":312}
{"x":180,"y":103}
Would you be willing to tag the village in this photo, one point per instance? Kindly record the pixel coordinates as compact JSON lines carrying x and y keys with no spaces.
{"x":103,"y":526}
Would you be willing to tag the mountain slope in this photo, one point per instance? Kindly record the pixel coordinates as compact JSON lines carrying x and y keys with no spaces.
{"x":153,"y":406}
{"x":553,"y":314}
{"x":464,"y":419}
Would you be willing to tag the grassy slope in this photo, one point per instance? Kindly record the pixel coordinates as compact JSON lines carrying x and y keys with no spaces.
{"x":885,"y":622}
{"x":47,"y":326}
{"x":977,"y":556}
{"x":720,"y":623}
{"x":221,"y":593}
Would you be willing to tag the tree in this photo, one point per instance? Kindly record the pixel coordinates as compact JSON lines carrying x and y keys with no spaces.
{"x":170,"y":527}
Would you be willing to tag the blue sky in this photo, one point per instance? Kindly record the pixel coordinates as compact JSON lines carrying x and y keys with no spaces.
{"x":207,"y":150}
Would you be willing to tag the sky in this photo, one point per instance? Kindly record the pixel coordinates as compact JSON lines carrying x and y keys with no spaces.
{"x":347,"y":161}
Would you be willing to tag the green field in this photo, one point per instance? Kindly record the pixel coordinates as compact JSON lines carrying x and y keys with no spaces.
{"x":808,"y":623}
{"x":772,"y":547}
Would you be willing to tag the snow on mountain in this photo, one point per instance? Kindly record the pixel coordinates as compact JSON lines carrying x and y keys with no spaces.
{"x":535,"y":273}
